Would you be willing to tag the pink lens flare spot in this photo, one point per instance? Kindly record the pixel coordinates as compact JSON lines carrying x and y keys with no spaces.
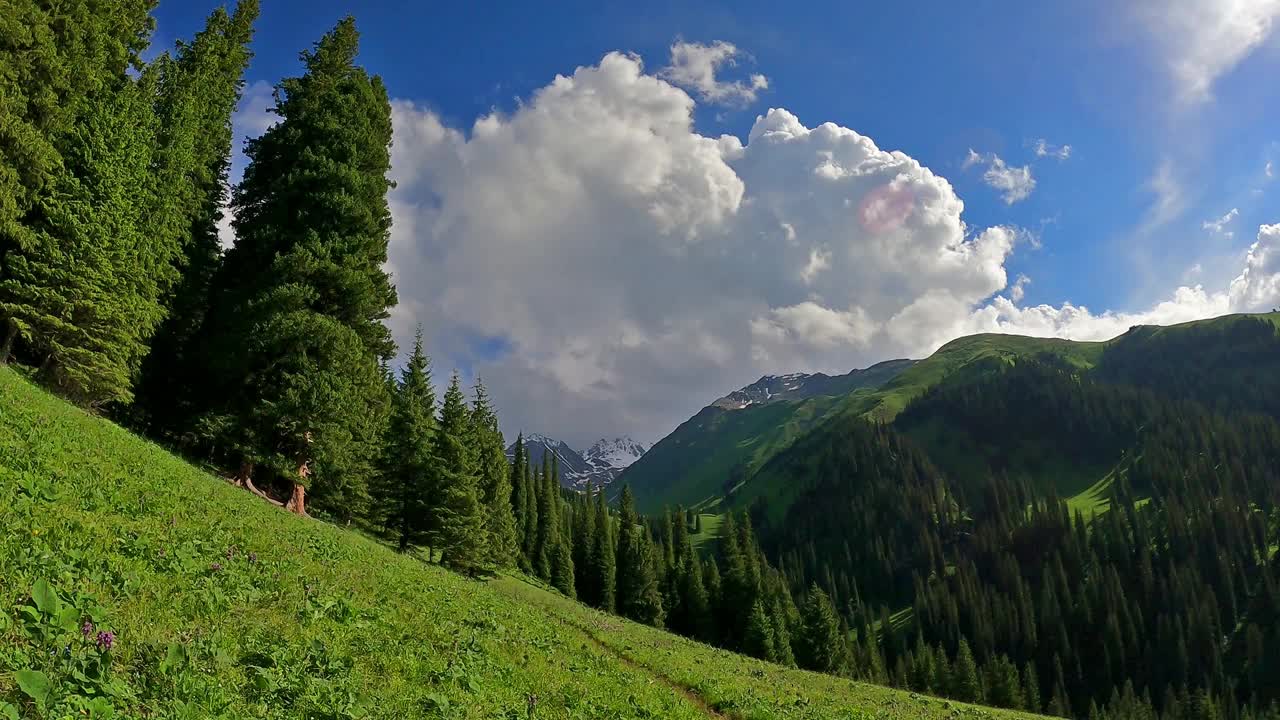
{"x":885,"y":208}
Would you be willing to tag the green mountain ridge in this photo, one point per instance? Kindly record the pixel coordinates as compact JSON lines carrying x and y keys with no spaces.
{"x":727,"y":440}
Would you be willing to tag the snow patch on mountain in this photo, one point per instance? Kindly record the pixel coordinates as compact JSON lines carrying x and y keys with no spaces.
{"x":600,"y":465}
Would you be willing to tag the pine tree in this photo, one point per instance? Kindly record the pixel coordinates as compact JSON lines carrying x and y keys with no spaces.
{"x":638,"y":595}
{"x":462,"y":534}
{"x":820,"y":644}
{"x":495,"y":483}
{"x":295,"y":333}
{"x":519,"y":499}
{"x":81,"y":272}
{"x":758,"y":642}
{"x":584,"y":531}
{"x":604,"y":564}
{"x":199,"y":92}
{"x":533,"y":490}
{"x":548,"y":520}
{"x":965,"y":685}
{"x":408,"y":483}
{"x":562,"y":570}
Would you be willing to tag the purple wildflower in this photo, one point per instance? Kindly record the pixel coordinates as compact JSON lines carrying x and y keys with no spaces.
{"x":216,"y":567}
{"x":106,"y":640}
{"x":231,"y":552}
{"x":253,"y":557}
{"x":87,"y":629}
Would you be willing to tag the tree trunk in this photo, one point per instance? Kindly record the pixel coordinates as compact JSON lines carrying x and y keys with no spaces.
{"x":7,"y":348}
{"x":298,"y":501}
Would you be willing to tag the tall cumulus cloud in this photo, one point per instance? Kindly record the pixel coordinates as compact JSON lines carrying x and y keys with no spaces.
{"x":608,"y":269}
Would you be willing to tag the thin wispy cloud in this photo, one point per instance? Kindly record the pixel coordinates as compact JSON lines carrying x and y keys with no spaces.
{"x":1014,"y":183}
{"x":1044,"y":148}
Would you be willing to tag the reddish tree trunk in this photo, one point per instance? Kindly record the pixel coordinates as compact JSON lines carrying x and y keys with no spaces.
{"x":298,"y":500}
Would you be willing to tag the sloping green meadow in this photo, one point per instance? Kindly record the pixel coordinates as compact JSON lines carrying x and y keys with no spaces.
{"x":134,"y":585}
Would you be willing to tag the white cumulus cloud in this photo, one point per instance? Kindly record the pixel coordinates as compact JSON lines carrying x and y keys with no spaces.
{"x":630,"y":269}
{"x":694,"y":66}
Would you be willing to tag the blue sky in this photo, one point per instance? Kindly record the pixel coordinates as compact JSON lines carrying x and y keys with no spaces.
{"x":1168,"y":109}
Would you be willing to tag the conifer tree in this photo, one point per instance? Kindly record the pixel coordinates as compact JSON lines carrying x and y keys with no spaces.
{"x":533,"y":489}
{"x":461,"y":516}
{"x":408,"y":483}
{"x":495,"y":483}
{"x":758,"y":642}
{"x":820,"y":645}
{"x":604,"y":565}
{"x":199,"y":92}
{"x":584,"y":530}
{"x":548,"y":521}
{"x":519,"y":499}
{"x":295,"y":332}
{"x":638,"y":595}
{"x":965,"y":685}
{"x":93,"y":188}
{"x":562,"y":570}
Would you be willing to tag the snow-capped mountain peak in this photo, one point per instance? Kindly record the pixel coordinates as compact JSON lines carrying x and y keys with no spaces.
{"x":599,"y":466}
{"x":617,"y":453}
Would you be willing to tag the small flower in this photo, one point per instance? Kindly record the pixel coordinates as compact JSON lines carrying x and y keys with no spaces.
{"x":87,"y":629}
{"x":106,"y":640}
{"x":216,"y":567}
{"x":253,"y":557}
{"x":231,"y":552}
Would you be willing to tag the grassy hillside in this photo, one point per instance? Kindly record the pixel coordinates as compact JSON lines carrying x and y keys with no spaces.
{"x":950,"y":362}
{"x":218,"y":605}
{"x":717,"y":448}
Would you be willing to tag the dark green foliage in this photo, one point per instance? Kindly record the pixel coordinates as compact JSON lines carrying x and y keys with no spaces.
{"x":460,"y":512}
{"x":548,"y":536}
{"x":199,"y":92}
{"x":638,"y":595}
{"x":495,"y":482}
{"x":819,"y":644}
{"x":409,"y":484}
{"x":758,"y":641}
{"x":603,"y":564}
{"x":294,"y":335}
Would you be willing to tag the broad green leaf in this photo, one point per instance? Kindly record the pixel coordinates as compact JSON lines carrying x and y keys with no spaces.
{"x":173,"y":658}
{"x":8,"y":711}
{"x":34,"y":684}
{"x":45,"y":597}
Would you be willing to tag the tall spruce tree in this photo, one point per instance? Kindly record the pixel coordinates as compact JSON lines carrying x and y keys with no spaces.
{"x":462,"y":529}
{"x":532,"y":481}
{"x":408,"y":480}
{"x":295,"y":332}
{"x":68,"y":200}
{"x":495,"y":481}
{"x":199,"y":93}
{"x":638,"y":595}
{"x":548,"y":519}
{"x":604,"y":565}
{"x":519,"y":500}
{"x":820,"y":644}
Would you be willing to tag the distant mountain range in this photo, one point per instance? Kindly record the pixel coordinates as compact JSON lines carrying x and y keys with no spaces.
{"x":600,"y":465}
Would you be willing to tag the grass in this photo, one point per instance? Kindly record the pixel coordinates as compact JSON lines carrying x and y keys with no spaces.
{"x":885,"y":404}
{"x":222,"y":606}
{"x":710,"y":531}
